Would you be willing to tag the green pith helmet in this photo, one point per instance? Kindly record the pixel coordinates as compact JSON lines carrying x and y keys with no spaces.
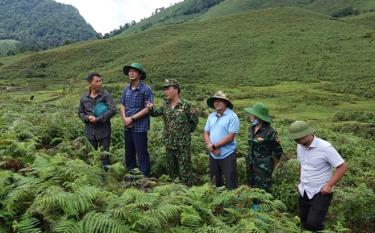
{"x":171,"y":82}
{"x":300,"y":129}
{"x":261,"y":111}
{"x":219,"y":95}
{"x":136,"y":66}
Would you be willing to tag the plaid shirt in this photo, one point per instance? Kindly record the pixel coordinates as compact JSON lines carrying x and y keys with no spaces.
{"x":136,"y":100}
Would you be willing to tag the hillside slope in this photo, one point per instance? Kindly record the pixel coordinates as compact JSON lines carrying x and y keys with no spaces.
{"x":269,"y":47}
{"x":193,"y":10}
{"x":42,"y":23}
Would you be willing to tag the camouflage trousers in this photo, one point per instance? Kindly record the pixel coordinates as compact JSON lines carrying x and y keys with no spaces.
{"x":259,"y":173}
{"x":179,"y":164}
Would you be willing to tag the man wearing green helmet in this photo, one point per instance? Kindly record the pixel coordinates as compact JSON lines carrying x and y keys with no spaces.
{"x":136,"y":118}
{"x":180,"y":120}
{"x":264,"y":148}
{"x":317,"y":159}
{"x":96,"y":108}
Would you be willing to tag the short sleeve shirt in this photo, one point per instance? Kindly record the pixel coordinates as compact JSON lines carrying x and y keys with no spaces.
{"x":317,"y":163}
{"x":220,"y":126}
{"x":136,"y":100}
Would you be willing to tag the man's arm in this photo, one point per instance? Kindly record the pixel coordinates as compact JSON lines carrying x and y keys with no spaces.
{"x":81,"y":113}
{"x":339,"y":173}
{"x":110,"y":112}
{"x":127,"y":120}
{"x":227,"y":139}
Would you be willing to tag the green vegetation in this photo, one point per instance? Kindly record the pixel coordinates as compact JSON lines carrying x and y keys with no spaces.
{"x":193,"y":10}
{"x":8,"y":47}
{"x":302,"y":64}
{"x":41,"y":24}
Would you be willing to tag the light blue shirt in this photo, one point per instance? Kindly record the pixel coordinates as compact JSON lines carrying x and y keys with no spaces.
{"x":317,"y":163}
{"x":219,"y":127}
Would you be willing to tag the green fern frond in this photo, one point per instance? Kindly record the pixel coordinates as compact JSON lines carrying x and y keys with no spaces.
{"x":27,"y":225}
{"x":94,"y":222}
{"x":68,"y":226}
{"x":190,"y":217}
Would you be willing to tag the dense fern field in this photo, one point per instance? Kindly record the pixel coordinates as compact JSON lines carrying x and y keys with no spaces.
{"x":51,"y":181}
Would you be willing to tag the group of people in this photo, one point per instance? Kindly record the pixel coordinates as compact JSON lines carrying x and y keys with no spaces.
{"x":317,"y":157}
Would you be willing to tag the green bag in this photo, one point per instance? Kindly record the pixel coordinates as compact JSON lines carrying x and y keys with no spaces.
{"x":99,"y":109}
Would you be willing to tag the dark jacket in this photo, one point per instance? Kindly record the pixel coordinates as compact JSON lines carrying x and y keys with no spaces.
{"x":102,"y":127}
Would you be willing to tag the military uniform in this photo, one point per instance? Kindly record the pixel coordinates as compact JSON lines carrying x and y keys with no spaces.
{"x":263,"y":145}
{"x":179,"y":123}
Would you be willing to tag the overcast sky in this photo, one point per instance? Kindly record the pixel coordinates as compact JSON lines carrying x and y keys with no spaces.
{"x":106,"y":15}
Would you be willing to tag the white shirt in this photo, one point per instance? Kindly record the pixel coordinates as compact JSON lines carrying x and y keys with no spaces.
{"x":317,"y":163}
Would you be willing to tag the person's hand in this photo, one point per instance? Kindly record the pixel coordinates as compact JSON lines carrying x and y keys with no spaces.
{"x":128,"y":122}
{"x":327,"y":189}
{"x":149,"y":105}
{"x":216,"y":152}
{"x":91,"y":119}
{"x":210,"y":147}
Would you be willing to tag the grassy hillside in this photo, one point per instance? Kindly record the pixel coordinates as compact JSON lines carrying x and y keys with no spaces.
{"x":342,"y":8}
{"x":270,"y":47}
{"x":367,"y":20}
{"x":192,"y":10}
{"x":303,"y":65}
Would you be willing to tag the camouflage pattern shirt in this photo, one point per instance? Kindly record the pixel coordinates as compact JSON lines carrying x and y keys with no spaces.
{"x":264,"y":143}
{"x":179,"y":123}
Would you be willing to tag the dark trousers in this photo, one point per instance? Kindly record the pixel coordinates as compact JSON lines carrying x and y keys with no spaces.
{"x":104,"y":144}
{"x":313,"y":211}
{"x":224,"y":167}
{"x":136,"y":148}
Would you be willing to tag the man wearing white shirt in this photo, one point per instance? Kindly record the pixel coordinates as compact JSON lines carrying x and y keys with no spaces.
{"x":317,"y":159}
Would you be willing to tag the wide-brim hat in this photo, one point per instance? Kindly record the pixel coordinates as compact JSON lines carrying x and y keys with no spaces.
{"x":260,"y":110}
{"x":219,"y":95}
{"x":136,"y":66}
{"x":299,"y":129}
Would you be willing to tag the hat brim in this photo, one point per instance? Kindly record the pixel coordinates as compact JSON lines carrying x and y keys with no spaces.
{"x":127,"y":68}
{"x":306,"y":132}
{"x":210,"y":102}
{"x":252,"y":111}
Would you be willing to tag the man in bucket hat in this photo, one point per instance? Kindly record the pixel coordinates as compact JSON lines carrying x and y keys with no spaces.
{"x":317,"y":159}
{"x":219,"y":134}
{"x":96,"y":108}
{"x":264,"y":148}
{"x":180,"y":120}
{"x":135,"y":114}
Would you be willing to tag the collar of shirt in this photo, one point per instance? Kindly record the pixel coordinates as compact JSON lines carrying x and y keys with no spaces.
{"x":226,"y":111}
{"x":179,"y":102}
{"x":99,"y":94}
{"x":136,"y":88}
{"x":313,"y":144}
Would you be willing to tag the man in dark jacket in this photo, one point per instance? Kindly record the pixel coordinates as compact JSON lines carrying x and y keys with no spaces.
{"x":96,"y":108}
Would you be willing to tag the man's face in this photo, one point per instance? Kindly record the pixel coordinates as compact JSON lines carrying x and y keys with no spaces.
{"x":96,"y":83}
{"x":303,"y":141}
{"x":220,"y":104}
{"x":170,"y":92}
{"x":133,"y":74}
{"x":252,"y":118}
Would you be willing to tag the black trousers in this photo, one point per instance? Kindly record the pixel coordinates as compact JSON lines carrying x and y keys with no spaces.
{"x":136,"y":149}
{"x":313,"y":211}
{"x":104,"y":143}
{"x":224,"y":167}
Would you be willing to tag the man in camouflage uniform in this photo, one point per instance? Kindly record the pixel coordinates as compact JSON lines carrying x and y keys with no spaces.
{"x":180,"y":120}
{"x":264,"y":148}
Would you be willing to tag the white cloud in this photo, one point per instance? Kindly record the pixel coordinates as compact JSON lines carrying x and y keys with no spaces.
{"x":106,"y":15}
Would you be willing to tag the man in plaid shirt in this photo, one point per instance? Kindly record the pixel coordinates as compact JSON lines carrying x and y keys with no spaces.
{"x":135,"y":115}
